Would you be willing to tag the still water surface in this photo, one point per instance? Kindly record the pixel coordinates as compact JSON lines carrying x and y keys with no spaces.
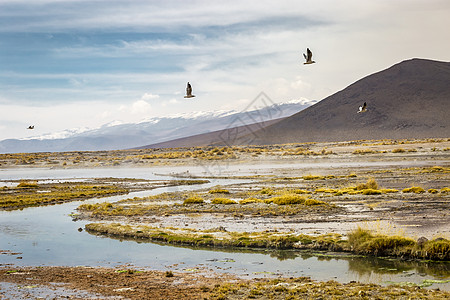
{"x":48,"y":236}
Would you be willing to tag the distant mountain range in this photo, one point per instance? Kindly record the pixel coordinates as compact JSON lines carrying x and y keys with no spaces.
{"x":154,"y":130}
{"x":408,"y":100}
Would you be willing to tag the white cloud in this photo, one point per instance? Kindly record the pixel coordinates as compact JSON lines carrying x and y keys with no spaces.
{"x":140,"y":107}
{"x":299,"y":84}
{"x":230,"y":52}
{"x":77,"y":82}
{"x":148,"y":96}
{"x":170,"y":102}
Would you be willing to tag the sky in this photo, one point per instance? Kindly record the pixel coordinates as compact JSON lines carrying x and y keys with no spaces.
{"x":82,"y":64}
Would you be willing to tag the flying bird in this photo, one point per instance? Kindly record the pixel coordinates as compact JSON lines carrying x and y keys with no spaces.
{"x":31,"y":127}
{"x":308,"y":57}
{"x":363,"y":108}
{"x":189,"y":91}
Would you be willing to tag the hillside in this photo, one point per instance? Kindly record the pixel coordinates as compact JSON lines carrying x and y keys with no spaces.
{"x":156,"y":130}
{"x":408,"y":100}
{"x":218,"y":137}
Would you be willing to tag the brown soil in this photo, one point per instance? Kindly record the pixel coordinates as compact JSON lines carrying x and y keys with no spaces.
{"x":101,"y":282}
{"x":104,"y":283}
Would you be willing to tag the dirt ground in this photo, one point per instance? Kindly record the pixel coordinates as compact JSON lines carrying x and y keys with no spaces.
{"x":104,"y":283}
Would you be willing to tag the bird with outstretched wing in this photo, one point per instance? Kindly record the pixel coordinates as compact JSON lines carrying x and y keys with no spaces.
{"x":363,"y":108}
{"x":189,"y":91}
{"x":308,"y":57}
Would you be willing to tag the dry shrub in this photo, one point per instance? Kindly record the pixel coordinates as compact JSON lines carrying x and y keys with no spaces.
{"x":370,"y":184}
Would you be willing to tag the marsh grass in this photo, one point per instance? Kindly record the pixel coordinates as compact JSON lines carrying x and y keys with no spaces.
{"x":26,"y":195}
{"x":306,"y":152}
{"x":219,"y":191}
{"x":318,"y":177}
{"x":313,"y":177}
{"x":287,"y":199}
{"x":371,"y":192}
{"x":28,"y":184}
{"x":414,"y":189}
{"x":223,"y":201}
{"x":267,"y":191}
{"x":365,"y":151}
{"x":193,"y":200}
{"x":250,"y":200}
{"x":445,"y":190}
{"x":359,"y":241}
{"x":435,"y":169}
{"x":306,"y":288}
{"x":365,"y":242}
{"x":294,"y":199}
{"x":369,"y":188}
{"x":196,"y":204}
{"x":190,"y":154}
{"x":298,"y":191}
{"x":370,"y":184}
{"x":266,"y":239}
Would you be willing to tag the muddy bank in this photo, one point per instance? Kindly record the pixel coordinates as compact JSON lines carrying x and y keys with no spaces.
{"x":130,"y":283}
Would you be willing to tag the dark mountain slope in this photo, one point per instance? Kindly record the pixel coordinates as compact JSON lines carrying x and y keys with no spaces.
{"x":409,"y":100}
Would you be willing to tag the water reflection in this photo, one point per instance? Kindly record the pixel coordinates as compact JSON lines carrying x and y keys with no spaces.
{"x":319,"y":265}
{"x":47,"y":236}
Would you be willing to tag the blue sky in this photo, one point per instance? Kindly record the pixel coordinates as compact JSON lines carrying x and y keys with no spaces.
{"x":77,"y":64}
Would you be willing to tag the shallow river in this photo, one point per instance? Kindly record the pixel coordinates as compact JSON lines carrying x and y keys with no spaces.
{"x":48,"y":236}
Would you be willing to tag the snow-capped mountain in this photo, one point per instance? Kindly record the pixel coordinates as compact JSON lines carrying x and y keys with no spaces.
{"x":113,"y":136}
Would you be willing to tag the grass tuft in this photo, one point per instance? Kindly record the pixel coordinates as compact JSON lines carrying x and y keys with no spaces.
{"x":371,"y":192}
{"x":313,"y":177}
{"x":28,"y":184}
{"x":193,"y":200}
{"x":219,"y":191}
{"x":286,"y":199}
{"x":223,"y":201}
{"x":414,"y":189}
{"x":250,"y":200}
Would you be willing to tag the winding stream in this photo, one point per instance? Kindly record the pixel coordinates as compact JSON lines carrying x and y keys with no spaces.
{"x":48,"y":236}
